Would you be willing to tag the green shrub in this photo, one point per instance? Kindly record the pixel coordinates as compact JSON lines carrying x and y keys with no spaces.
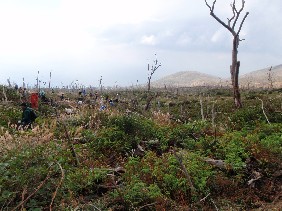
{"x":133,"y":125}
{"x":84,"y":180}
{"x":9,"y":114}
{"x":25,"y":170}
{"x":198,"y":169}
{"x":232,"y":148}
{"x":246,"y":117}
{"x":273,"y":143}
{"x":166,"y":176}
{"x":139,"y":193}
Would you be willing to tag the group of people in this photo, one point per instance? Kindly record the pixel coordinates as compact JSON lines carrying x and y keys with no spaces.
{"x":29,"y":115}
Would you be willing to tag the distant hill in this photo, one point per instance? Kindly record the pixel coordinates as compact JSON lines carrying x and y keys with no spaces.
{"x":260,"y":78}
{"x":256,"y":79}
{"x":187,"y":79}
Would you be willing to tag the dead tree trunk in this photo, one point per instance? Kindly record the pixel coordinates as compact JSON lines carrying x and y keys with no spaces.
{"x":234,"y":71}
{"x":230,"y":26}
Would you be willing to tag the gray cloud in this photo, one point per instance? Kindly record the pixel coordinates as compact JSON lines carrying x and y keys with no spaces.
{"x":183,"y":34}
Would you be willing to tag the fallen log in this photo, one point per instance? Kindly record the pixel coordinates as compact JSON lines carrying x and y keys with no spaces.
{"x":217,"y":163}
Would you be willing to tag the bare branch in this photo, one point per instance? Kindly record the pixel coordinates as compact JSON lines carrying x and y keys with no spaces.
{"x":233,"y":10}
{"x":262,"y":107}
{"x":211,"y":8}
{"x":57,"y":188}
{"x":184,"y":170}
{"x":238,"y":13}
{"x":242,"y":23}
{"x":37,"y":189}
{"x":218,"y":19}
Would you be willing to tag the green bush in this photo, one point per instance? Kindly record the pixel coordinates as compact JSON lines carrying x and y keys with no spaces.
{"x":246,"y":117}
{"x":25,"y":170}
{"x":84,"y":180}
{"x":138,"y":193}
{"x":110,"y":141}
{"x":133,"y":125}
{"x":9,"y":114}
{"x":232,"y":148}
{"x":166,"y":176}
{"x":199,"y":170}
{"x":273,"y":143}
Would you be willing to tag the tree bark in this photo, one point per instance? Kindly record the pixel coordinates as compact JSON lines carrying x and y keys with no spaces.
{"x":234,"y":71}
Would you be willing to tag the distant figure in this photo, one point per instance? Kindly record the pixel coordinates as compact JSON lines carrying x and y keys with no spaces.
{"x":84,"y":92}
{"x":111,"y":102}
{"x":28,"y":116}
{"x":34,"y":100}
{"x":43,"y":97}
{"x":25,"y":94}
{"x":62,"y":96}
{"x":96,"y":95}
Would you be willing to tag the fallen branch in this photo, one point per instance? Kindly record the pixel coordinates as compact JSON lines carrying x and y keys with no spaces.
{"x":203,"y":199}
{"x":70,"y":144}
{"x":35,"y":191}
{"x":214,"y":205}
{"x":257,"y":176}
{"x":263,"y":110}
{"x":217,"y":163}
{"x":146,"y":205}
{"x":184,"y":170}
{"x":23,"y":194}
{"x":57,"y":188}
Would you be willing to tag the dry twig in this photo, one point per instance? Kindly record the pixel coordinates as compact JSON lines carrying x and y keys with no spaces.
{"x":57,"y":188}
{"x":263,"y":110}
{"x":35,"y":191}
{"x":184,"y":170}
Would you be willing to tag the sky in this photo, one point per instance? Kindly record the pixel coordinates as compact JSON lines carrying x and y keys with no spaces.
{"x":80,"y":41}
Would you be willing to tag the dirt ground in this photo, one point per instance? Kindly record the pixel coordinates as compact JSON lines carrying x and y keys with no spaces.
{"x":275,"y":206}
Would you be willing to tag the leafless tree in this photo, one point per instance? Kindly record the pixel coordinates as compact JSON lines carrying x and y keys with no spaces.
{"x":100,"y":84}
{"x":152,"y":70}
{"x":270,"y":78}
{"x":230,"y":25}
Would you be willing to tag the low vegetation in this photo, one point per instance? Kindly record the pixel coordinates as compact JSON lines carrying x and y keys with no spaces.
{"x":189,"y":150}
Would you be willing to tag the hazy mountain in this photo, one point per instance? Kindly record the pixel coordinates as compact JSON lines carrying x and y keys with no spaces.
{"x":187,"y":79}
{"x":263,"y":77}
{"x":258,"y":78}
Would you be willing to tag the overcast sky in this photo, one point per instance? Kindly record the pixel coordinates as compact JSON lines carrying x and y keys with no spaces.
{"x":82,"y":40}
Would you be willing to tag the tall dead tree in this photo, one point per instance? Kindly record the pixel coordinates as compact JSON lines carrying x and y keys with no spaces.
{"x":270,"y":78}
{"x":231,"y":27}
{"x":152,"y":70}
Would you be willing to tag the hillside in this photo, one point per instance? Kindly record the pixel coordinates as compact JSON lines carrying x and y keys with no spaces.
{"x":185,"y":152}
{"x":187,"y":79}
{"x":255,"y":79}
{"x":260,"y":78}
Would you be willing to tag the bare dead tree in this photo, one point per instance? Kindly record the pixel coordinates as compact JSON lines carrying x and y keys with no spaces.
{"x":270,"y":78}
{"x":231,"y":27}
{"x":152,"y":70}
{"x":100,"y":84}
